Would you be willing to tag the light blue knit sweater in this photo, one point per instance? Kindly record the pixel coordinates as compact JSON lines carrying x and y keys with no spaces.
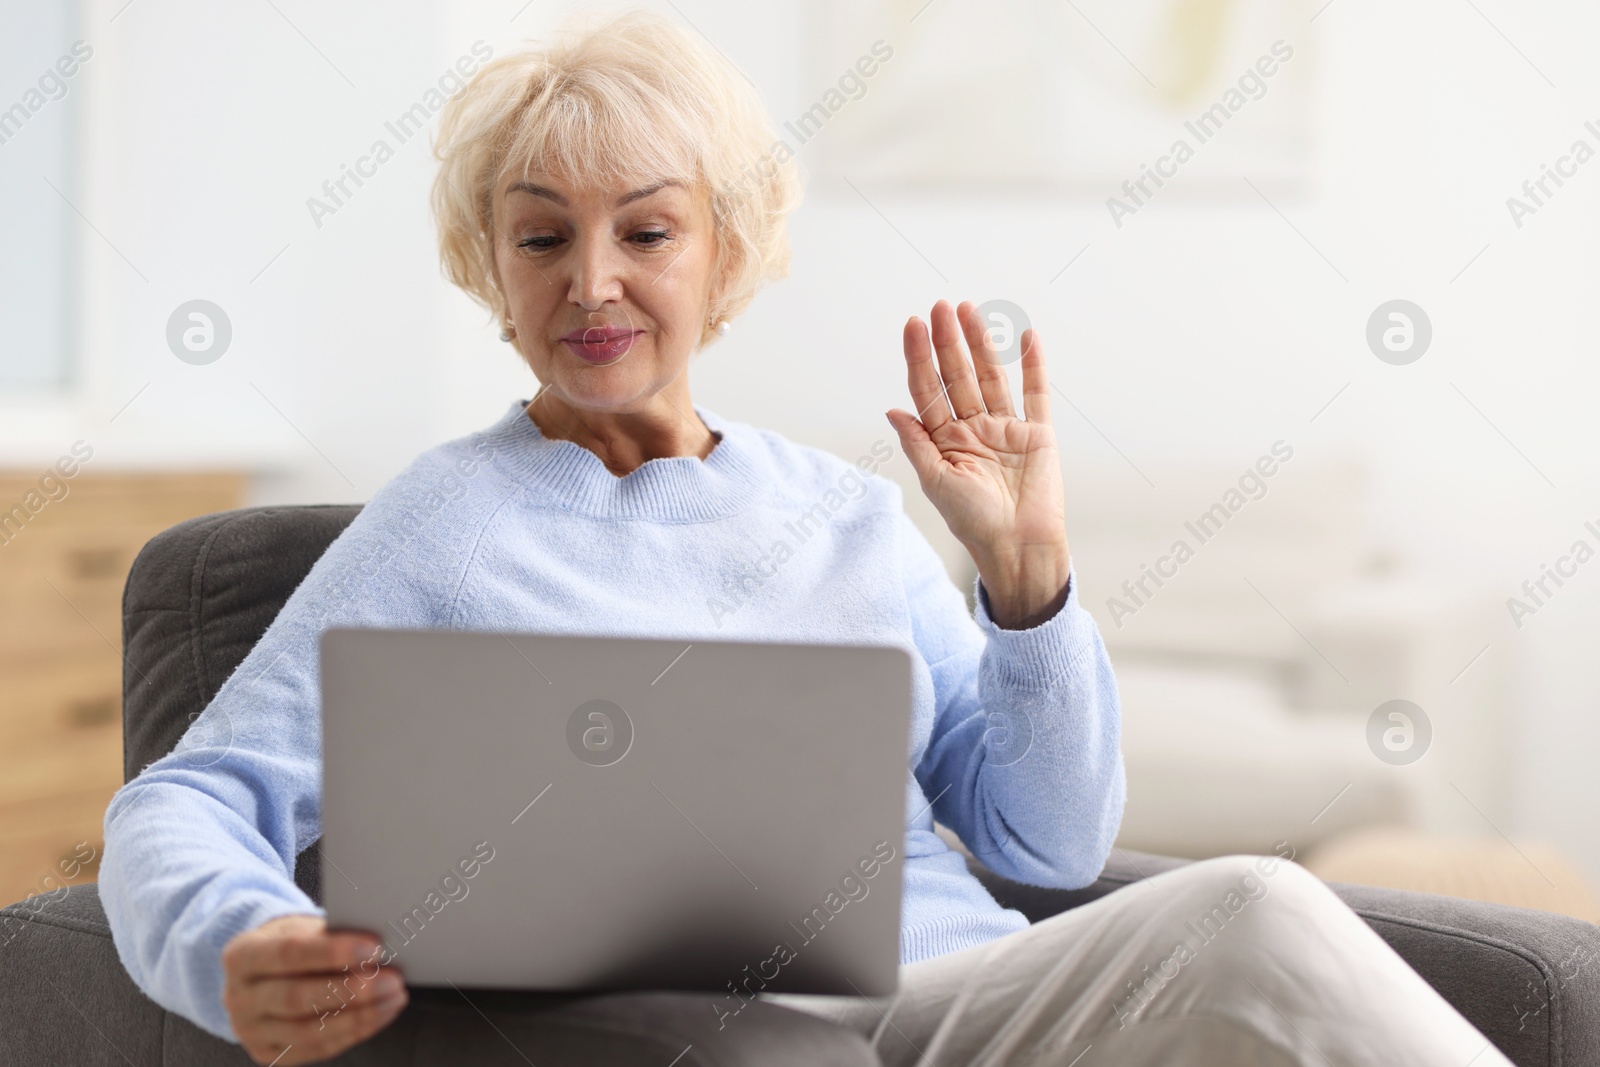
{"x":1014,"y":734}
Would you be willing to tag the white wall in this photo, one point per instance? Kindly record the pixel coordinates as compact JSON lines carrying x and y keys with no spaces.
{"x":1199,"y":330}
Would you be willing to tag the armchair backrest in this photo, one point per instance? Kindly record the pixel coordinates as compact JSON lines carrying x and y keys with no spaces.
{"x":198,"y":598}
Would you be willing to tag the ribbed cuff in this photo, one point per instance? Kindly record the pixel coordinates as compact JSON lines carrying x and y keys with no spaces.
{"x":1039,"y":657}
{"x":953,"y":933}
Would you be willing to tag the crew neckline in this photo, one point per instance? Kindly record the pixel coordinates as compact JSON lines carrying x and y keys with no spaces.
{"x":668,"y":488}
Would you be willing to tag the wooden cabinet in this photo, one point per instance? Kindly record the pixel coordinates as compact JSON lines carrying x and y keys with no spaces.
{"x":63,"y":563}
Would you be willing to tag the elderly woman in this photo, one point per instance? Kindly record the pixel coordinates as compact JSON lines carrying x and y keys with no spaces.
{"x":616,"y":201}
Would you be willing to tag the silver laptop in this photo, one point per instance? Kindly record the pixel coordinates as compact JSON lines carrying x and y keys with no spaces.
{"x":587,"y":813}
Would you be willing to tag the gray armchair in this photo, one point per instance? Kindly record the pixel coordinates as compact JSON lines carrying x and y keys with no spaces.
{"x":201,"y":594}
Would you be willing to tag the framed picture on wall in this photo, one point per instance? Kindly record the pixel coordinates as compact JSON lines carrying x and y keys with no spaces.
{"x":1065,"y":95}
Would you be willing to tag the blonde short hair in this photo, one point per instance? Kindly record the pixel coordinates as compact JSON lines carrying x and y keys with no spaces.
{"x":634,"y":99}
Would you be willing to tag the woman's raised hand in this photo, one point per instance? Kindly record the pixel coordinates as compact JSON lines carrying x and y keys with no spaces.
{"x":995,"y":477}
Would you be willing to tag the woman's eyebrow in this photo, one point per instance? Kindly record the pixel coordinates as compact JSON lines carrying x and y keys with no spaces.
{"x":536,"y":190}
{"x":649,"y":190}
{"x":627,"y":198}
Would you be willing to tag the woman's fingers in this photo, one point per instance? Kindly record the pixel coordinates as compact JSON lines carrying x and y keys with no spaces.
{"x":287,"y":1042}
{"x":1035,"y":384}
{"x":991,"y":377}
{"x":961,"y":384}
{"x":297,"y":993}
{"x":295,"y":945}
{"x":314,"y":996}
{"x":964,"y":387}
{"x":927,"y":391}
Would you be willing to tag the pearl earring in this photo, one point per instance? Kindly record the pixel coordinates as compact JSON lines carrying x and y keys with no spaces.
{"x":509,"y":332}
{"x":723,"y":326}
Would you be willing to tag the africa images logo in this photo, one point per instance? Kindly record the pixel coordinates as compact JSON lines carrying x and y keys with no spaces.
{"x":599,"y":732}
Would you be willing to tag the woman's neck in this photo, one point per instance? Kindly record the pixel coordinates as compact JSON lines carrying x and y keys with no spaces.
{"x":624,"y":441}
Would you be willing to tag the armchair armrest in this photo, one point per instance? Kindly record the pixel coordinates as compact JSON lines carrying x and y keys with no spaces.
{"x":1529,"y":980}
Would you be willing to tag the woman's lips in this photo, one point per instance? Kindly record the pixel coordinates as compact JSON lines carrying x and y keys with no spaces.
{"x":600,"y":344}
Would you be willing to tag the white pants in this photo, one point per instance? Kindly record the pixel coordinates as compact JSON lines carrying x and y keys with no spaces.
{"x":1232,"y":961}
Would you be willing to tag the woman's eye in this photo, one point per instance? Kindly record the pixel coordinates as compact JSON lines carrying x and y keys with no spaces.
{"x":645,"y":239}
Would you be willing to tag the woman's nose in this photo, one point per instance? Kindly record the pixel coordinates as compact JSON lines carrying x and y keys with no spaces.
{"x":597,"y":270}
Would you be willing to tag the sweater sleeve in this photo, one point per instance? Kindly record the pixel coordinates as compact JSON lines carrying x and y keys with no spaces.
{"x":201,"y":845}
{"x":1025,"y":760}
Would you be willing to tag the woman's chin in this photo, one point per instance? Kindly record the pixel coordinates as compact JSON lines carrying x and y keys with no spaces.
{"x":609,"y":389}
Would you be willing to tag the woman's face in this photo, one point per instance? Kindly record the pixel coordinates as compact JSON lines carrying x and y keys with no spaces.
{"x":608,"y":289}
